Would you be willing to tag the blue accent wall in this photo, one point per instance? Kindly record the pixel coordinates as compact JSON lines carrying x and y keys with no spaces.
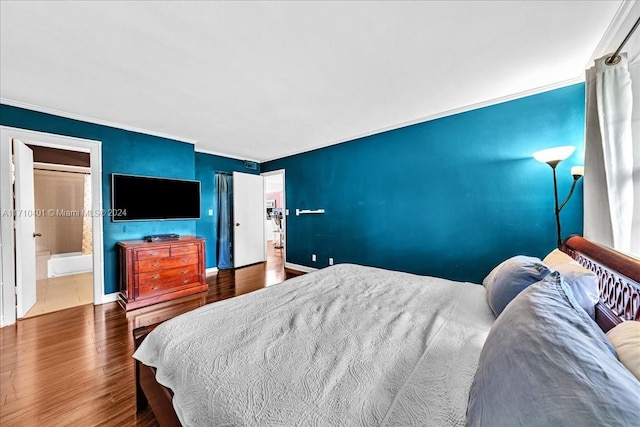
{"x":450,"y":197}
{"x":206,"y":167}
{"x":122,"y":152}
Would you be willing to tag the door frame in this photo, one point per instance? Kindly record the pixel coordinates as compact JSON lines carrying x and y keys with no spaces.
{"x":284,"y":210}
{"x":7,"y":237}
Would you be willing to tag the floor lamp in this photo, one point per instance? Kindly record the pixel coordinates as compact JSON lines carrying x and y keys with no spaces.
{"x":553,"y":157}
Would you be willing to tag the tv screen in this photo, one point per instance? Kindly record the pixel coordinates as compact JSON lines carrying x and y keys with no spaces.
{"x":143,"y":198}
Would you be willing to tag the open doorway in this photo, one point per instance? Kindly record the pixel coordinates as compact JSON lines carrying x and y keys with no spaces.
{"x":18,"y":249}
{"x":275,"y":217}
{"x":63,"y":243}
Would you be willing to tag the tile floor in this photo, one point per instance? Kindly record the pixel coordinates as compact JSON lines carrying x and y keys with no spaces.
{"x":62,"y":292}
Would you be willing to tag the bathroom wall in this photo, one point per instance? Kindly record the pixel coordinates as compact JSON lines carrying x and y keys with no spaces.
{"x":60,"y":197}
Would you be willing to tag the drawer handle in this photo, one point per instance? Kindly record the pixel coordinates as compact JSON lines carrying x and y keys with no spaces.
{"x":156,"y":276}
{"x":153,"y":253}
{"x":155,"y":264}
{"x":185,"y":281}
{"x":185,"y":272}
{"x":185,"y":260}
{"x":155,"y":288}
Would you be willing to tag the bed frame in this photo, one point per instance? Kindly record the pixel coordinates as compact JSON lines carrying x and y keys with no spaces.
{"x":619,"y":276}
{"x":619,"y":301}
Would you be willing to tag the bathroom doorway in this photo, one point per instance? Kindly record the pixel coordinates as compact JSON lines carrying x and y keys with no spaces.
{"x":63,"y":229}
{"x":18,"y":259}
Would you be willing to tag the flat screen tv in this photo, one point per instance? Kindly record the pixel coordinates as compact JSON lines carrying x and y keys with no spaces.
{"x":144,"y":198}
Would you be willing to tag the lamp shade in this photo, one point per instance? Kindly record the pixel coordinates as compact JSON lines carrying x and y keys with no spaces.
{"x":577,"y":171}
{"x":554,"y":155}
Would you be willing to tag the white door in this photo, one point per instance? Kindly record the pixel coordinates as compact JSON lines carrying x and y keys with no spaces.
{"x":248,"y":219}
{"x":25,"y":229}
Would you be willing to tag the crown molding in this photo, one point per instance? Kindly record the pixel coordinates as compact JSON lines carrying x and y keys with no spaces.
{"x":92,"y":120}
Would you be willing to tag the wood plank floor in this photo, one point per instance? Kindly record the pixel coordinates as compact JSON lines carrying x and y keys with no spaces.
{"x":74,"y":367}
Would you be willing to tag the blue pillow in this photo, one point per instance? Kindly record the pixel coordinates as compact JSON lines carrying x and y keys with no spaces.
{"x":547,"y":363}
{"x":510,"y":278}
{"x":584,"y":283}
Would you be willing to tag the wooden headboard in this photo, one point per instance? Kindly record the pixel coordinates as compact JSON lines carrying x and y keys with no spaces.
{"x":619,"y":280}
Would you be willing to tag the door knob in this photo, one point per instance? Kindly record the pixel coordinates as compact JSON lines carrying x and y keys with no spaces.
{"x":37,"y":235}
{"x":237,"y":224}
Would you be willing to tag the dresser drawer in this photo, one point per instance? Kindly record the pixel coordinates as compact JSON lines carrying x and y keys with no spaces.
{"x":153,"y":253}
{"x":173,"y":275}
{"x":155,"y":272}
{"x":177,"y":250}
{"x":164,"y":263}
{"x":156,"y":283}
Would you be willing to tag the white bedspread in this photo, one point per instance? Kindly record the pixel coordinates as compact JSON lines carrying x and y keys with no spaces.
{"x":344,"y":346}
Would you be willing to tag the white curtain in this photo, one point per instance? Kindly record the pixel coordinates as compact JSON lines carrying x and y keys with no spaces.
{"x":610,"y":213}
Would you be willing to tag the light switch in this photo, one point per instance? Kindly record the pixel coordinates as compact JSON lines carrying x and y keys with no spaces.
{"x":210,"y":212}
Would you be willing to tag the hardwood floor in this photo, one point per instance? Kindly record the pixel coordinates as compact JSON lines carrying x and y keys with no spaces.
{"x":74,"y":367}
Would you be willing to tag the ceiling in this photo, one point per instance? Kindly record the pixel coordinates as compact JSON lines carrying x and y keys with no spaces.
{"x":262,"y":80}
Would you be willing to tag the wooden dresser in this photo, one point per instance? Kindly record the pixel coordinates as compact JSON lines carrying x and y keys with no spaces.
{"x":152,"y":272}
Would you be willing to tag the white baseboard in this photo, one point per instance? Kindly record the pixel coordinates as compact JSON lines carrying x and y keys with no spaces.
{"x":299,"y":267}
{"x":110,"y":297}
{"x":210,"y":271}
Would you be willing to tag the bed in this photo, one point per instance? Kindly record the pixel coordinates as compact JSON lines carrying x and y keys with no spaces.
{"x":355,"y":345}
